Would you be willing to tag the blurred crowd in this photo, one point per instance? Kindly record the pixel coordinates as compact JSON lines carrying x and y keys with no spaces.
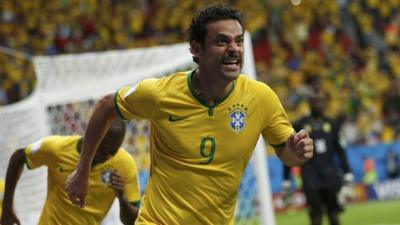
{"x":351,"y":49}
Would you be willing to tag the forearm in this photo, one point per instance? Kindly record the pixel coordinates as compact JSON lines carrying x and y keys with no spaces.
{"x":100,"y":121}
{"x":128,"y":212}
{"x":14,"y":170}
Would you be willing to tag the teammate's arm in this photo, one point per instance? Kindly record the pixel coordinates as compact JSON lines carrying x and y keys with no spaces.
{"x":103,"y":114}
{"x":298,"y":149}
{"x":14,"y":171}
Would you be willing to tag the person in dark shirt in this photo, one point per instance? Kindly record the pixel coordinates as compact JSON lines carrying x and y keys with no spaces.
{"x":320,"y":175}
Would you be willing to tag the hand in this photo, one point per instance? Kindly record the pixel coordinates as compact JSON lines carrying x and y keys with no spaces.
{"x":9,"y":218}
{"x":77,"y":187}
{"x":301,"y":145}
{"x":345,"y":194}
{"x":117,"y":184}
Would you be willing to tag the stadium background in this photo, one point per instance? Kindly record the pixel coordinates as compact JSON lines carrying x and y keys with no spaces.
{"x":352,"y":46}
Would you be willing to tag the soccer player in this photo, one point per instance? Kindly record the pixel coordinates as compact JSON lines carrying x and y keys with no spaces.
{"x":320,"y":175}
{"x":204,"y":126}
{"x":113,"y":174}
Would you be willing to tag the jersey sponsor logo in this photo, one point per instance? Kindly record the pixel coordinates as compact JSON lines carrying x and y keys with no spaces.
{"x":320,"y":146}
{"x":326,"y":127}
{"x":172,"y":118}
{"x":237,"y":117}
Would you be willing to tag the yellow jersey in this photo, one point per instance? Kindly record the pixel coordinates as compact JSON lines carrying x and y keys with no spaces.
{"x":60,"y":154}
{"x":199,"y":151}
{"x":2,"y":186}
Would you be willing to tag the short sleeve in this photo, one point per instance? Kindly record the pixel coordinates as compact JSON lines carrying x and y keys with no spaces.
{"x":132,"y":188}
{"x":40,"y":152}
{"x":277,"y":127}
{"x":136,"y":101}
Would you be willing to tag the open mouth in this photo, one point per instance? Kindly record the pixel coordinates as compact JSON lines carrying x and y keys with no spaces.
{"x":232,"y":64}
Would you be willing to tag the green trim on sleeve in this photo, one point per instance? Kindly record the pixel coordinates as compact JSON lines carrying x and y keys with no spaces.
{"x":137,"y":204}
{"x":279,"y":145}
{"x":26,"y":160}
{"x":116,"y":106}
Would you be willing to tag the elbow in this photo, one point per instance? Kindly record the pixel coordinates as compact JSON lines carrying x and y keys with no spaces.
{"x":106,"y":106}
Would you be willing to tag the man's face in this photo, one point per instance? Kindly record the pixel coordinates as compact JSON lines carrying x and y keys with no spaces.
{"x":317,"y":104}
{"x":222,"y":52}
{"x":107,"y":148}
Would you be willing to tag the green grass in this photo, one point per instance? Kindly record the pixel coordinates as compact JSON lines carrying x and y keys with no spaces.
{"x":371,"y":213}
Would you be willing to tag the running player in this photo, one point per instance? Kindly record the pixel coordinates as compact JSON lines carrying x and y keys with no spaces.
{"x":113,"y":174}
{"x":204,"y":126}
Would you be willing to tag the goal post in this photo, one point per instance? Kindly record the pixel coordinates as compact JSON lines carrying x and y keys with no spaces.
{"x":68,"y":86}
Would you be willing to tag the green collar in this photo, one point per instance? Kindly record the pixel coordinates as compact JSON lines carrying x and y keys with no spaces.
{"x":201,"y":100}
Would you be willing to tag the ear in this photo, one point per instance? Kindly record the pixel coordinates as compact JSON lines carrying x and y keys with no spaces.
{"x":195,"y":49}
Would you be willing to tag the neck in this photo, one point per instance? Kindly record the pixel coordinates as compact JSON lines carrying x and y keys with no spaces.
{"x":209,"y":89}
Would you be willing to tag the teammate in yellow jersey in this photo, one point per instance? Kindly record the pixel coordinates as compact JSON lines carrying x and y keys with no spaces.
{"x":113,"y":174}
{"x":204,"y":126}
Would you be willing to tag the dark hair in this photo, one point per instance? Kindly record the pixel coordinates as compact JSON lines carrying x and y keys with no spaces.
{"x":112,"y":140}
{"x":197,"y":28}
{"x":117,"y":129}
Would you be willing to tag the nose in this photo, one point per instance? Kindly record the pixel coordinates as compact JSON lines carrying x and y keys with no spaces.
{"x":233,"y":49}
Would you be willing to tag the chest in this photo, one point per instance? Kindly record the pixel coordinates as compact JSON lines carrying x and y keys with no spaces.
{"x":321,"y":131}
{"x":201,"y":134}
{"x":63,"y":166}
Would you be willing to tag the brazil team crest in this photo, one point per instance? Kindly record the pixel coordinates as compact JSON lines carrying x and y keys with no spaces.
{"x":237,"y":115}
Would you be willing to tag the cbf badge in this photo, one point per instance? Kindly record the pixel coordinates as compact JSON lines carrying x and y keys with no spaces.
{"x":237,"y":117}
{"x":106,"y":176}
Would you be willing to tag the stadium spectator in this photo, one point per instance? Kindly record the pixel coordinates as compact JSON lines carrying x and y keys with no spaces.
{"x":205,"y":125}
{"x":370,"y":176}
{"x":321,"y":175}
{"x":350,"y":44}
{"x":113,"y":174}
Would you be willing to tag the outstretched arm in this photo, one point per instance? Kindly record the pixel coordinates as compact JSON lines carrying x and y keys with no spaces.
{"x":14,"y":171}
{"x":299,"y":148}
{"x":99,"y":123}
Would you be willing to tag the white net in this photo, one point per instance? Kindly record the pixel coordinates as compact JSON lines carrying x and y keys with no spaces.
{"x":68,"y":86}
{"x":22,"y":123}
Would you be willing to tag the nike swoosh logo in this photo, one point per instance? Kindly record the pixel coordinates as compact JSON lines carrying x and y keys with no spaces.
{"x":62,"y":170}
{"x":174,"y":119}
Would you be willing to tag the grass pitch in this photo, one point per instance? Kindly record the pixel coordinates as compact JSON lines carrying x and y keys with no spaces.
{"x":370,"y":213}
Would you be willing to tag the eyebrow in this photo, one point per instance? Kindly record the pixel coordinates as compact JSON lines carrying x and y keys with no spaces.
{"x":219,"y":35}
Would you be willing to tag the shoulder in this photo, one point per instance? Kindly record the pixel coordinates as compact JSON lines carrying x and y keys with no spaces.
{"x":56,"y":140}
{"x":261,"y":92}
{"x":156,"y":86}
{"x":123,"y":157}
{"x":165,"y":81}
{"x":253,"y":86}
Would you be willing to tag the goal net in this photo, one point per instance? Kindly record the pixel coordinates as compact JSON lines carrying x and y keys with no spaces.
{"x":67,"y":88}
